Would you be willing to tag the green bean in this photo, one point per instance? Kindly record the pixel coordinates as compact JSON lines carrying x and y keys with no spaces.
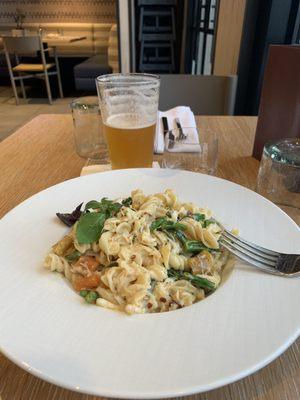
{"x":197,"y":281}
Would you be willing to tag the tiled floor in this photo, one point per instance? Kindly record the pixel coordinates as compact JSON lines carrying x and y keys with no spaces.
{"x":12,"y":116}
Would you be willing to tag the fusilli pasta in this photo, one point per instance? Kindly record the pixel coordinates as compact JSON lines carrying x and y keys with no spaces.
{"x":152,"y":253}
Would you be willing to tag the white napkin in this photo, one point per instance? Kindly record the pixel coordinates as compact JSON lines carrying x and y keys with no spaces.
{"x":187,"y":119}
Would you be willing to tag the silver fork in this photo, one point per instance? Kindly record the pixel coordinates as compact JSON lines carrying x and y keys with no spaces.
{"x":181,"y":136}
{"x":268,"y":260}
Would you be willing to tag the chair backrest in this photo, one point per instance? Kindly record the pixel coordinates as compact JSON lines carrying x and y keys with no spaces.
{"x":22,"y":45}
{"x":205,"y":94}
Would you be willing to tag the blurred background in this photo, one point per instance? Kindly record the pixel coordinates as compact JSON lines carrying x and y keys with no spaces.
{"x":227,"y":38}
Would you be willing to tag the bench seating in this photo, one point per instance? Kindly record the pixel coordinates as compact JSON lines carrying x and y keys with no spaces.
{"x":100,"y":46}
{"x":86,"y":72}
{"x":96,"y":42}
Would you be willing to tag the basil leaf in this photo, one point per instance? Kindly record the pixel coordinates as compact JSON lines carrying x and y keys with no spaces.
{"x":89,"y":227}
{"x":109,"y":207}
{"x":127,"y":202}
{"x":104,"y":206}
{"x":94,"y":204}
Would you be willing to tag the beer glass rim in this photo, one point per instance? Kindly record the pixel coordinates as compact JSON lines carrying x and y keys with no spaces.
{"x":129,"y":79}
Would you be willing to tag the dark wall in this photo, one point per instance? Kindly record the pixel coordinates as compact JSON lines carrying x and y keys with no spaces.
{"x":266,"y":22}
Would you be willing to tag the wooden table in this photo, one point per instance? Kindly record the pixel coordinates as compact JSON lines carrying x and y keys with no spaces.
{"x":41,"y":154}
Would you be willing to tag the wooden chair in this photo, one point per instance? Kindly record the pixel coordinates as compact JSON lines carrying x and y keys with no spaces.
{"x":25,"y":46}
{"x":205,"y":94}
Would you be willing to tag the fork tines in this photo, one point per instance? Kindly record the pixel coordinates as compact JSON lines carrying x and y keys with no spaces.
{"x":268,"y":260}
{"x":249,"y":244}
{"x":262,"y":258}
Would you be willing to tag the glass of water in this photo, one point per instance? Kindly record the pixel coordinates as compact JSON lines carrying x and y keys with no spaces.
{"x":279,"y":172}
{"x":190,"y":149}
{"x":88,"y":131}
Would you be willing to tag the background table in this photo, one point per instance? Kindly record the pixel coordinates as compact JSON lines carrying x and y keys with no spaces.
{"x":56,"y":40}
{"x":42,"y":153}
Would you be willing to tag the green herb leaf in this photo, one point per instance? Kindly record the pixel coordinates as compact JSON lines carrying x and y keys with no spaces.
{"x":73,"y":256}
{"x":127,"y":202}
{"x":83,"y":293}
{"x":93,"y":204}
{"x":89,"y":227}
{"x":201,"y":218}
{"x":197,"y":281}
{"x":109,"y":207}
{"x":90,"y":224}
{"x":105,"y":205}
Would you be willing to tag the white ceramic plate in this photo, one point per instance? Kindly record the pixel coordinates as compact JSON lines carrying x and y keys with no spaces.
{"x":48,"y":330}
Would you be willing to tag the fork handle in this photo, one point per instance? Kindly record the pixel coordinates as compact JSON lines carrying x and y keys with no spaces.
{"x":288,"y":263}
{"x":177,"y":121}
{"x":165,"y":125}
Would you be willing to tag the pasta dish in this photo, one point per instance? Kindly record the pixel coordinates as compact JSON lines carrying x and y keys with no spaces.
{"x":142,"y":254}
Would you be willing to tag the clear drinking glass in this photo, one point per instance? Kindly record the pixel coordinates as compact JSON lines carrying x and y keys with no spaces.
{"x":129,"y":105}
{"x":88,"y":135}
{"x":279,"y":173}
{"x":187,"y":154}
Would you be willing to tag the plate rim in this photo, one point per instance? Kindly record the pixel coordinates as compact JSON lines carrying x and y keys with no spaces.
{"x":162,"y":395}
{"x":86,"y":177}
{"x":166,"y":393}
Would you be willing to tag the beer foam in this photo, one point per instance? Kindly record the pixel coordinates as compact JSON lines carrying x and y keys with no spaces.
{"x":128,"y":121}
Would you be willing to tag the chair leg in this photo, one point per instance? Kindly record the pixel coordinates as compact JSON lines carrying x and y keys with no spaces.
{"x":23,"y":89}
{"x":11,"y":75}
{"x":48,"y":87}
{"x":61,"y":93}
{"x":14,"y":88}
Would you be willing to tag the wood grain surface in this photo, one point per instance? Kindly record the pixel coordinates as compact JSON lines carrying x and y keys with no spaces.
{"x":228,"y":36}
{"x":42,"y":153}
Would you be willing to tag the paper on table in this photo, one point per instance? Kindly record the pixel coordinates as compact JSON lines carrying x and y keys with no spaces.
{"x":187,"y":119}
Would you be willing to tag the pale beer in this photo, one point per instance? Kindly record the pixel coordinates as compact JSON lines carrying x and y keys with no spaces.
{"x":130,"y":141}
{"x":128,"y":104}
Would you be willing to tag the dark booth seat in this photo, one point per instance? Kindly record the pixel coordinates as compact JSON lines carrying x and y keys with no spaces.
{"x":86,"y":72}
